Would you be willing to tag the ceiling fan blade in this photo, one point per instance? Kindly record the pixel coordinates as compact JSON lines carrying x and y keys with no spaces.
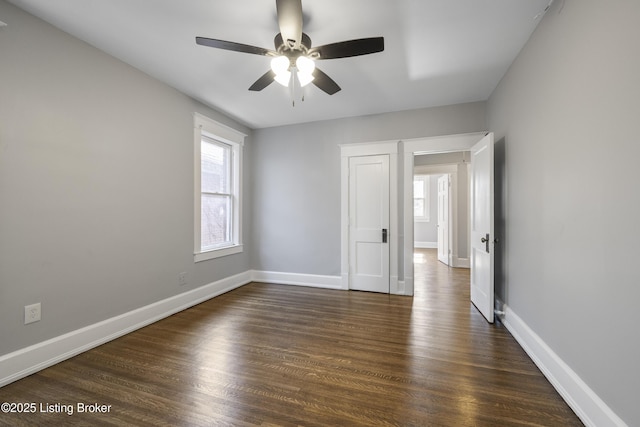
{"x":236,"y":47}
{"x":290,"y":21}
{"x":349,"y":48}
{"x":264,"y":81}
{"x":325,"y":82}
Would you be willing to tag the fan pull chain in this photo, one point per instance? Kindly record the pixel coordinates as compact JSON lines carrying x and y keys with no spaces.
{"x":293,"y":87}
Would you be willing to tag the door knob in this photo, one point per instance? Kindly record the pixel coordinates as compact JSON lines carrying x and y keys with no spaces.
{"x":485,"y":240}
{"x":384,"y":235}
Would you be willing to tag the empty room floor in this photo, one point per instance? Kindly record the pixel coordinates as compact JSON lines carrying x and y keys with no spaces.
{"x":266,"y":355}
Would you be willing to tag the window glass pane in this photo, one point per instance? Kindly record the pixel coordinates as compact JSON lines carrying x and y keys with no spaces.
{"x":215,"y":220}
{"x":418,"y":207}
{"x":418,"y":188}
{"x":215,"y":168}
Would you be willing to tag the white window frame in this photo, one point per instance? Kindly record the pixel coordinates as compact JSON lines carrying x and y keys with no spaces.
{"x":426,"y":182}
{"x":205,"y":127}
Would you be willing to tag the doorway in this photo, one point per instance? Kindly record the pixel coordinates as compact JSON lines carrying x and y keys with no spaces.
{"x":481,"y":258}
{"x":432,"y":210}
{"x":447,"y":227}
{"x":436,"y":155}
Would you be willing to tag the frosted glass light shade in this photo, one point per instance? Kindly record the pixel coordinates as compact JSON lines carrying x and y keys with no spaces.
{"x":305,"y":65}
{"x":304,"y":79}
{"x":283,"y":78}
{"x":280,"y":66}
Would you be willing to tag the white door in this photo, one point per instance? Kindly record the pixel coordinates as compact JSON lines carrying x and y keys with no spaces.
{"x":443,"y":219}
{"x":482,"y":237}
{"x":369,"y":223}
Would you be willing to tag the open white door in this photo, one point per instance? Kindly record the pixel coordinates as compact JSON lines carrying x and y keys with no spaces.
{"x":443,"y":220}
{"x":482,"y":231}
{"x":369,"y":223}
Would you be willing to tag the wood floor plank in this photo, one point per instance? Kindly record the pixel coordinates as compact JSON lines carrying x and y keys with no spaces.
{"x":272,"y":355}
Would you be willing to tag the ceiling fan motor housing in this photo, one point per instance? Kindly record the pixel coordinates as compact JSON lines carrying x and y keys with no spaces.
{"x":288,"y":49}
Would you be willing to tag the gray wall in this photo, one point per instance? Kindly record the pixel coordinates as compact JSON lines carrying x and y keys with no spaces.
{"x":296,"y":181}
{"x":96,"y":185}
{"x":566,"y":121}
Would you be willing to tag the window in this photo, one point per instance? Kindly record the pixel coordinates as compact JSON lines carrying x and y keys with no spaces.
{"x":216,"y":204}
{"x":218,"y":186}
{"x":421,"y":198}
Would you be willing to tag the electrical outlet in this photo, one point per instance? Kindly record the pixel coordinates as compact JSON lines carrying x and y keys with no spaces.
{"x":182,"y":278}
{"x":32,"y":313}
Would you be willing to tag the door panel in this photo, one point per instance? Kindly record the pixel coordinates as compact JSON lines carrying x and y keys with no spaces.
{"x":482,"y":230}
{"x":368,"y":216}
{"x":443,"y":220}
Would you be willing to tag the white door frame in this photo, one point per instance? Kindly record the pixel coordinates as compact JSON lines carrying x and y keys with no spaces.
{"x":371,"y":149}
{"x":433,"y":145}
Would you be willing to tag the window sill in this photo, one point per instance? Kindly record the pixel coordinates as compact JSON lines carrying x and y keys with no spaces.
{"x":217,"y":253}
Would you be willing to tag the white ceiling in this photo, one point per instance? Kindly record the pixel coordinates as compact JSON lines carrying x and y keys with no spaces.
{"x":437,"y":52}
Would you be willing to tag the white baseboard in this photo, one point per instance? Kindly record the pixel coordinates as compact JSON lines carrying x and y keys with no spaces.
{"x":311,"y":280}
{"x":425,"y":245}
{"x":29,"y":360}
{"x":461,"y":262}
{"x":578,"y":395}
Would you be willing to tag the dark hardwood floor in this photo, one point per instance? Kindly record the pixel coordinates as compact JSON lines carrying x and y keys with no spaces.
{"x":267,"y":355}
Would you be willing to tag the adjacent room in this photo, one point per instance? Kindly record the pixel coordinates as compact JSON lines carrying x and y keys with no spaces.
{"x":285,"y":212}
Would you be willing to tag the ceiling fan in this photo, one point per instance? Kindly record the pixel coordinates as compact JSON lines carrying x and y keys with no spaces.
{"x":294,"y":57}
